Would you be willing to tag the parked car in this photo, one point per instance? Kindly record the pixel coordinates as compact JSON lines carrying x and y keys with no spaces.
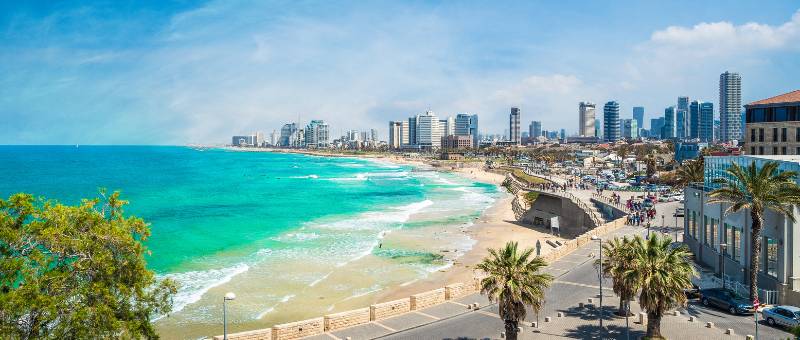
{"x":726,"y":299}
{"x":787,"y":316}
{"x":680,"y":212}
{"x":692,"y":293}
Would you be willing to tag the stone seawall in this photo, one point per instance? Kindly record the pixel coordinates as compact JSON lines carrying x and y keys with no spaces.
{"x":347,"y":319}
{"x":389,"y":309}
{"x":299,"y":329}
{"x":427,"y":299}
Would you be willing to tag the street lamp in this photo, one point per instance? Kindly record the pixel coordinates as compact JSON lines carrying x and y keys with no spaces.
{"x":600,"y":278}
{"x":228,"y":297}
{"x":722,"y":248}
{"x":676,"y":225}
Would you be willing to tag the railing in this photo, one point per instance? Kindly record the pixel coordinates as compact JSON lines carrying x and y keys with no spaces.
{"x":611,"y":202}
{"x":767,"y":297}
{"x":515,"y":185}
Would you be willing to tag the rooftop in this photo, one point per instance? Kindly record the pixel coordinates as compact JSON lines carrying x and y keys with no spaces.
{"x":790,"y":97}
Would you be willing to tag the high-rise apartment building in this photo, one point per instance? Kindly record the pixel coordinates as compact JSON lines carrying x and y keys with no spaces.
{"x":467,"y":125}
{"x":412,"y":131}
{"x":562,"y":134}
{"x":395,"y":135}
{"x":448,"y":126}
{"x":611,"y":123}
{"x":288,"y":134}
{"x":773,"y":125}
{"x":316,"y":135}
{"x":586,"y":117}
{"x":730,"y":106}
{"x":638,"y":115}
{"x":682,"y":118}
{"x":513,"y":126}
{"x":669,"y":123}
{"x":706,"y":122}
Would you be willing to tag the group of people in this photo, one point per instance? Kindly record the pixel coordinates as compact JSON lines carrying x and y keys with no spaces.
{"x":639,"y":213}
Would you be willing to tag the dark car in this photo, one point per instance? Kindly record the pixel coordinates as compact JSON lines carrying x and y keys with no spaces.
{"x":726,"y":299}
{"x":692,"y":293}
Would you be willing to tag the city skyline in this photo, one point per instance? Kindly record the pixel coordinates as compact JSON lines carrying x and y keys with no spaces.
{"x":173,"y":73}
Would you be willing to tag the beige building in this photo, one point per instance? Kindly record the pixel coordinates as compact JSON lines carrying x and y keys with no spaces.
{"x":773,"y":125}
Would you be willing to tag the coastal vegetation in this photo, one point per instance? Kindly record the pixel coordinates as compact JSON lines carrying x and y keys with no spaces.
{"x":757,"y":190}
{"x":76,"y":272}
{"x":514,"y":280}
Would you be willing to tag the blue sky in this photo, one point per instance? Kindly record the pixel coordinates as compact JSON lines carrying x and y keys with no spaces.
{"x":161,"y":72}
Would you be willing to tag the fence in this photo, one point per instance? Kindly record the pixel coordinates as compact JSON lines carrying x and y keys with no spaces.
{"x":767,"y":297}
{"x":517,"y":185}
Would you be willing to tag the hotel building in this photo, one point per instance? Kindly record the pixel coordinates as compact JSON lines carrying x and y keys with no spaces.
{"x":586,"y":116}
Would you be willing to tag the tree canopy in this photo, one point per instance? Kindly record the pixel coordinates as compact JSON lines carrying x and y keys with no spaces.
{"x":71,"y":272}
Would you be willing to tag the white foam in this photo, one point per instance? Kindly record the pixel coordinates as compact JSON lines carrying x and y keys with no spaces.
{"x":286,"y":298}
{"x":408,"y":282}
{"x":364,"y":292}
{"x":296,"y":237}
{"x":320,"y":279}
{"x":193,"y":284}
{"x":307,"y":176}
{"x":265,"y":312}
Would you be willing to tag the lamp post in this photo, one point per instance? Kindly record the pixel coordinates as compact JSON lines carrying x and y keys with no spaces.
{"x":600,"y":278}
{"x":722,"y":248}
{"x":676,"y":226}
{"x":228,"y":297}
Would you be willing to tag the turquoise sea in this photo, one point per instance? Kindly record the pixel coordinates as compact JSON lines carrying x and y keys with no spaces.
{"x":217,"y":214}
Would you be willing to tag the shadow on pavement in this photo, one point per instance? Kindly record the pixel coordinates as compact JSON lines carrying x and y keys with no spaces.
{"x":593,"y":332}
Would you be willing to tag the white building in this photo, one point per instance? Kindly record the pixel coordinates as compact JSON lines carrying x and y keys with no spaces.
{"x":316,"y":135}
{"x":428,"y":130}
{"x":586,"y":117}
{"x":730,"y":106}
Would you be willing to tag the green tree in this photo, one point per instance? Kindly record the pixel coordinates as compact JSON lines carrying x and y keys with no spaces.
{"x":691,"y":171}
{"x":758,"y":190}
{"x":514,"y":280}
{"x":662,"y":272}
{"x":617,"y":261}
{"x":76,"y":272}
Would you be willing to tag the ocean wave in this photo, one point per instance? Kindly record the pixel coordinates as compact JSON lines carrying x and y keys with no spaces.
{"x":296,"y":237}
{"x":193,"y":284}
{"x":320,"y":279}
{"x":303,"y":177}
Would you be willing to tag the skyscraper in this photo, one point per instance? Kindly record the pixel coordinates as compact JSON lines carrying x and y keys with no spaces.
{"x":535,"y":129}
{"x":669,"y":123}
{"x":682,"y":118}
{"x":730,"y":106}
{"x":412,"y":131}
{"x":706,"y":122}
{"x":513,"y":126}
{"x":448,"y":126}
{"x":395,"y":135}
{"x":638,"y":115}
{"x":429,"y":133}
{"x":611,"y":128}
{"x":288,"y":134}
{"x":657,"y":127}
{"x":694,"y":120}
{"x":586,"y":117}
{"x":562,"y":135}
{"x":630,"y":128}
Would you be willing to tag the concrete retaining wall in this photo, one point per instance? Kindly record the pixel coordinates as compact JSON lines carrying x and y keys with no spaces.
{"x":299,"y":329}
{"x":427,"y":299}
{"x":259,"y":334}
{"x":380,"y":311}
{"x":346,"y":319}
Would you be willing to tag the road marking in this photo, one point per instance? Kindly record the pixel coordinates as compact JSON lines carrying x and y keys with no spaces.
{"x":487,"y":313}
{"x":581,"y":285}
{"x":428,"y":315}
{"x":390,"y":329}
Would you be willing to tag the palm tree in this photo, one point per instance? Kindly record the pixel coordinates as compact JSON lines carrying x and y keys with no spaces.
{"x":758,"y":191}
{"x":618,"y":260}
{"x":514,"y":281}
{"x":662,"y":272}
{"x":691,"y":172}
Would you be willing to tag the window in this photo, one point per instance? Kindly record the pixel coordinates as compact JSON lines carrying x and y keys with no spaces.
{"x":771,"y":258}
{"x":733,"y":240}
{"x":705,"y":229}
{"x":783,"y":134}
{"x":774,"y":150}
{"x":753,"y":150}
{"x":783,"y":150}
{"x":797,"y":151}
{"x":715,"y":233}
{"x":797,"y":135}
{"x":693,"y":231}
{"x":760,"y":135}
{"x":774,"y":134}
{"x":760,"y":150}
{"x":753,"y":134}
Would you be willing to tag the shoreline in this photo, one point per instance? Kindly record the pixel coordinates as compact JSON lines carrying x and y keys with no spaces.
{"x":494,"y":227}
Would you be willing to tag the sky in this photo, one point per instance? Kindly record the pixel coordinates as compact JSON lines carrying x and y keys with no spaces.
{"x":180,"y":72}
